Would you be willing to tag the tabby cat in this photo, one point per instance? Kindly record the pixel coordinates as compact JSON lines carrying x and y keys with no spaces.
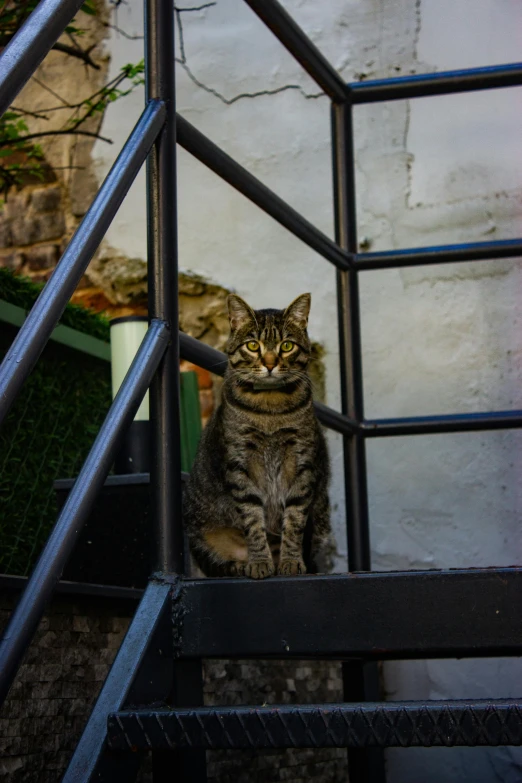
{"x":257,"y":501}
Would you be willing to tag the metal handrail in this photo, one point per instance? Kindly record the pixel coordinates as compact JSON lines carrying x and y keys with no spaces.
{"x":24,"y":620}
{"x":26,"y":50}
{"x":232,"y":172}
{"x":279,"y":21}
{"x":36,"y":330}
{"x":454,"y":422}
{"x":423,"y":85}
{"x":439,"y":254}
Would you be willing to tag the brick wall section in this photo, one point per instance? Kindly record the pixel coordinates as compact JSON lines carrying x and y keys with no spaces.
{"x":231,"y":683}
{"x":206,"y":393}
{"x":32,"y":230}
{"x":48,"y":706}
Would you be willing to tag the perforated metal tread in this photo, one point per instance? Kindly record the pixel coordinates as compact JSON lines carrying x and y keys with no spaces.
{"x":389,"y":724}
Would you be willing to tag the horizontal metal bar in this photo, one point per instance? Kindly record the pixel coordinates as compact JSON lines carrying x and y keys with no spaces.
{"x":428,"y":425}
{"x":443,"y":83}
{"x":228,"y":169}
{"x":215,"y":361}
{"x":334,"y":420}
{"x":424,"y":614}
{"x":115,"y":482}
{"x":439,"y":254}
{"x":77,"y":589}
{"x":33,"y":335}
{"x":279,"y":21}
{"x":26,"y":50}
{"x":24,"y":620}
{"x":202,"y":355}
{"x":405,"y":724}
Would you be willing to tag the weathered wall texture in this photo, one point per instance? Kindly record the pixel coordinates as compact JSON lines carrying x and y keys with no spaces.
{"x":36,"y":223}
{"x":436,"y":339}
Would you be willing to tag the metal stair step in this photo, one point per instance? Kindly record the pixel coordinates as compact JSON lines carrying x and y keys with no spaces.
{"x":408,"y":614}
{"x":388,"y":724}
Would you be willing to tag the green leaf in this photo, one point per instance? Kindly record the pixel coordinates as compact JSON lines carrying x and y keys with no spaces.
{"x":89,"y":8}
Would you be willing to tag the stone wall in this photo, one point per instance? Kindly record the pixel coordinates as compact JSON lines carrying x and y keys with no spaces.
{"x":65,"y":666}
{"x":64,"y":669}
{"x":32,"y":230}
{"x":232,"y":683}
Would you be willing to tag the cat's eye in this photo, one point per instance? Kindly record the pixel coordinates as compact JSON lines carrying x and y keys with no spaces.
{"x":287,"y":346}
{"x":253,"y":345}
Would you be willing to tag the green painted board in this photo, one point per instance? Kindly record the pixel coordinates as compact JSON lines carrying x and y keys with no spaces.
{"x":12,"y":314}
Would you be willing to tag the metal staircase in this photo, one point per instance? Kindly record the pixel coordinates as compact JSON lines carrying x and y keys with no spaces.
{"x":152,"y":699}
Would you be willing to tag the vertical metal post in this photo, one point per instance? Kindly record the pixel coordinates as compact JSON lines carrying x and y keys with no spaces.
{"x":350,"y":339}
{"x":360,"y":680}
{"x":163,"y":291}
{"x":184,"y":766}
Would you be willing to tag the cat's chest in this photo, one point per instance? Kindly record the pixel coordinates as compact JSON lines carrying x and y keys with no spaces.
{"x":271,"y":462}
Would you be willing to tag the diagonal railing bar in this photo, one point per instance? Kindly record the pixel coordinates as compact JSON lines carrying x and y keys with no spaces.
{"x":279,"y":21}
{"x":153,"y":612}
{"x":33,"y":335}
{"x":215,"y":361}
{"x":26,"y":50}
{"x":24,"y":620}
{"x":439,"y":254}
{"x":232,"y":172}
{"x":443,"y":83}
{"x":430,"y":425}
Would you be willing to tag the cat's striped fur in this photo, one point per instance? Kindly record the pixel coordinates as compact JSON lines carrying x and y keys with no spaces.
{"x":258,"y":488}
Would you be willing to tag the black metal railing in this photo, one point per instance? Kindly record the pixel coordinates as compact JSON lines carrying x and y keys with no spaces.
{"x":157,"y":362}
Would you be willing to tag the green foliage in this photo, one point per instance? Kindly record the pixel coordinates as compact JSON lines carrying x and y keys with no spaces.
{"x":22,"y":292}
{"x":13,"y":14}
{"x":20,"y":155}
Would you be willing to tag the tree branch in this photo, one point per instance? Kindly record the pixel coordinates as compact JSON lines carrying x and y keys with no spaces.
{"x":81,"y":54}
{"x":71,"y":132}
{"x":72,"y":51}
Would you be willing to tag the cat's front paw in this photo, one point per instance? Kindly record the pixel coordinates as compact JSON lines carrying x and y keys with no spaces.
{"x":291,"y":567}
{"x":259,"y":569}
{"x":235,"y":568}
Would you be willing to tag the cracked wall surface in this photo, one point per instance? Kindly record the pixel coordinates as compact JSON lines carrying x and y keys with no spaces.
{"x":436,"y":339}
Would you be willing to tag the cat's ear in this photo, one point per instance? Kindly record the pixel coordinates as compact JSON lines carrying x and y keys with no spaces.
{"x":239,"y":313}
{"x":297,"y":312}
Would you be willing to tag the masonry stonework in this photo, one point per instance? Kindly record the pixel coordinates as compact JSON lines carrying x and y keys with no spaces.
{"x":64,"y":669}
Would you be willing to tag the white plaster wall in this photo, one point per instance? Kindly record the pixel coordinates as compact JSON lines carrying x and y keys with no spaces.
{"x":436,"y":339}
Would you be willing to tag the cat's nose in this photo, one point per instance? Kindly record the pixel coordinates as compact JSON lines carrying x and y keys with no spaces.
{"x":270,"y":361}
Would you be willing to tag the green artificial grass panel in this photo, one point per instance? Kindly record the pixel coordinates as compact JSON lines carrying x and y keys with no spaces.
{"x":23,"y":292}
{"x":47,"y":435}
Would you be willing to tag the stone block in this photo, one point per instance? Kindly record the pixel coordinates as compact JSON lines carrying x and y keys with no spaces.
{"x":28,"y":229}
{"x":12,"y":259}
{"x":46,"y":199}
{"x":80,"y":623}
{"x":5,"y":231}
{"x":41,"y":257}
{"x":17,"y":204}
